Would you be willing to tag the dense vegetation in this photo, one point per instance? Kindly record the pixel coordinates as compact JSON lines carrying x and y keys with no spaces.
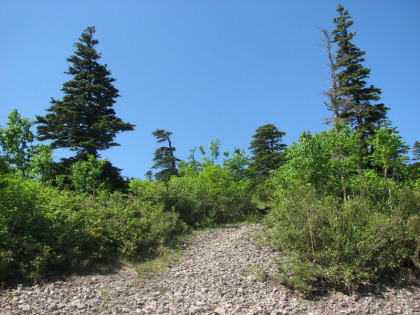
{"x":338,"y":219}
{"x":343,"y":204}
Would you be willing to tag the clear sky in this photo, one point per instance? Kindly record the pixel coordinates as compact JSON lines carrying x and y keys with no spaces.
{"x":207,"y":69}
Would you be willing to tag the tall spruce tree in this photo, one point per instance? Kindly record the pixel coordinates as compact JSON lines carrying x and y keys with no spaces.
{"x":351,"y":76}
{"x":84,"y":121}
{"x":267,"y":149}
{"x":164,"y":156}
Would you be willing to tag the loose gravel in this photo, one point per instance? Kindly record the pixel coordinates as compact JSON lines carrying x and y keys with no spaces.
{"x":222,"y":271}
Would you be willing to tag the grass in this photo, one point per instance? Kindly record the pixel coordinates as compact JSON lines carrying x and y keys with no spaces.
{"x":164,"y":257}
{"x":259,"y":272}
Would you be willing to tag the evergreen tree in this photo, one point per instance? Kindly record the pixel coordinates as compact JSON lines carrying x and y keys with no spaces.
{"x":351,"y":80}
{"x":192,"y":162}
{"x":337,"y":103}
{"x":164,"y":156}
{"x":267,"y":149}
{"x":84,"y":121}
{"x":416,"y":151}
{"x":149,"y":175}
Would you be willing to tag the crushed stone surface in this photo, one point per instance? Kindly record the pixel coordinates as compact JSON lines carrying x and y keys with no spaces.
{"x":222,"y":271}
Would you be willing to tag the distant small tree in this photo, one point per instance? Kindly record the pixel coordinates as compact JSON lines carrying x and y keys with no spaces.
{"x":267,"y":149}
{"x":238,"y":164}
{"x":214,"y":150}
{"x":192,"y":162}
{"x":164,"y":156}
{"x":416,"y":151}
{"x":149,"y":175}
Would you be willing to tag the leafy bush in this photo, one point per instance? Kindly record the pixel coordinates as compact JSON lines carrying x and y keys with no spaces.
{"x":206,"y":193}
{"x":149,"y":191}
{"x":44,"y":230}
{"x":128,"y":227}
{"x":212,"y":195}
{"x":348,"y":228}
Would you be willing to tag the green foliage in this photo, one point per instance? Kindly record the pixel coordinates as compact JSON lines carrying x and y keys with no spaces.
{"x":44,"y":230}
{"x":18,"y":151}
{"x":416,"y":151}
{"x":84,"y":121}
{"x":389,"y":149}
{"x":86,"y":175}
{"x":267,"y":150}
{"x":350,"y":86}
{"x":331,"y":211}
{"x":238,"y":164}
{"x":42,"y":165}
{"x":212,"y":195}
{"x":214,"y":149}
{"x":16,"y":141}
{"x":149,"y":191}
{"x":128,"y":227}
{"x":164,"y":156}
{"x":204,"y":193}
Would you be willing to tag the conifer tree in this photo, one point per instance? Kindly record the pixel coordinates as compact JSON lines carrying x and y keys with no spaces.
{"x":337,"y":102}
{"x":267,"y":149}
{"x":351,"y":80}
{"x":84,"y":120}
{"x":164,"y":156}
{"x":416,"y":151}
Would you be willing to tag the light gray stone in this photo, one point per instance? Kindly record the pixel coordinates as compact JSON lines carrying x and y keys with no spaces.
{"x":219,"y":273}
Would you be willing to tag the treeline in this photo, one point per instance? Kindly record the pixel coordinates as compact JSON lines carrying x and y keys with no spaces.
{"x":342,"y":204}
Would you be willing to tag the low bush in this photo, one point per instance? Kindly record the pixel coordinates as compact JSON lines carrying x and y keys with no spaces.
{"x":45,"y":230}
{"x":211,"y":196}
{"x":345,"y":224}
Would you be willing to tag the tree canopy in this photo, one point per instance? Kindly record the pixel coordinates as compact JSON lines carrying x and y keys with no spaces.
{"x":360,"y":110}
{"x":267,"y":149}
{"x":164,"y":156}
{"x":84,"y":120}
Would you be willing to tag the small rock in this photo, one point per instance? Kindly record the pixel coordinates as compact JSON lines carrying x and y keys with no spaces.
{"x":76,"y":302}
{"x":80,"y":306}
{"x":25,"y":307}
{"x":52,"y":307}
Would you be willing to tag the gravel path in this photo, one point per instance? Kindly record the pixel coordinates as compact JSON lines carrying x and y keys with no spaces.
{"x":222,"y":271}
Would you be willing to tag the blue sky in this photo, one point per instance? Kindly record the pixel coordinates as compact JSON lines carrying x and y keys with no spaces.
{"x":207,"y":69}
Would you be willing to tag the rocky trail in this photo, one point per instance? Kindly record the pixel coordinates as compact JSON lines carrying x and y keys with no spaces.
{"x":221,"y":271}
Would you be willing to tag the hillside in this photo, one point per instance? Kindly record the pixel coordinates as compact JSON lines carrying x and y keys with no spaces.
{"x":221,"y":271}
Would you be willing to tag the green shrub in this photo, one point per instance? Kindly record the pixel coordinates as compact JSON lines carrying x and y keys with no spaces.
{"x":129,"y":227}
{"x":45,"y":230}
{"x":212,"y":195}
{"x":349,"y":241}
